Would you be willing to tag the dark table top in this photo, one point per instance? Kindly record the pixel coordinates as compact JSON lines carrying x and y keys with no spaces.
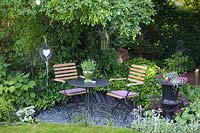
{"x":80,"y":83}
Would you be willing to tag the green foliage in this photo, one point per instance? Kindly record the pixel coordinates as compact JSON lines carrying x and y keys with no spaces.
{"x":190,"y":114}
{"x":125,"y":16}
{"x":47,"y":97}
{"x":17,"y":88}
{"x":176,"y":62}
{"x":6,"y":110}
{"x":192,"y":93}
{"x":108,"y":65}
{"x":178,"y":24}
{"x":3,"y":68}
{"x":154,"y":123}
{"x":28,"y":40}
{"x":186,"y":4}
{"x":121,"y":15}
{"x":88,"y":65}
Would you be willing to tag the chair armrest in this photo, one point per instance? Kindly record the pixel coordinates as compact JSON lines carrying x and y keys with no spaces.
{"x":132,"y":84}
{"x":80,"y":76}
{"x":59,"y":80}
{"x":112,"y":79}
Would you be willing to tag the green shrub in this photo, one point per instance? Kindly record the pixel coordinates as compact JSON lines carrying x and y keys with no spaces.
{"x":190,"y":114}
{"x":180,"y":63}
{"x":16,"y":87}
{"x":48,"y":96}
{"x":6,"y":110}
{"x":191,"y":92}
{"x":154,"y":123}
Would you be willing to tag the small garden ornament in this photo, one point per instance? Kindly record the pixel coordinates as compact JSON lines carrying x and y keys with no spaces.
{"x":45,"y":54}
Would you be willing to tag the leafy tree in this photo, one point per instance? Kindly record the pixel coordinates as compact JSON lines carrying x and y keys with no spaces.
{"x":125,"y":16}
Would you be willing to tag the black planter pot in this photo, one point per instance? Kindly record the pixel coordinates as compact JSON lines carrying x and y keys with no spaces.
{"x":169,"y":99}
{"x":169,"y":94}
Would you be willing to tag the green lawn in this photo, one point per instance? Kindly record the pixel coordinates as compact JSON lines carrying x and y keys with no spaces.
{"x":62,"y":128}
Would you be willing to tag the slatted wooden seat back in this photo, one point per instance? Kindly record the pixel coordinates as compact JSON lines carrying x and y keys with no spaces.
{"x":65,"y":71}
{"x":136,"y":77}
{"x":137,"y":73}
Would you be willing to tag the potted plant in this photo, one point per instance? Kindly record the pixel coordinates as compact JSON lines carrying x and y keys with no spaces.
{"x":88,"y":67}
{"x":170,"y":87}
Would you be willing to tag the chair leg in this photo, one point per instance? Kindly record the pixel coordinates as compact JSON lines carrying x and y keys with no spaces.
{"x":127,"y":104}
{"x":77,"y":101}
{"x":116,"y":107}
{"x":127,"y":115}
{"x":124,"y":102}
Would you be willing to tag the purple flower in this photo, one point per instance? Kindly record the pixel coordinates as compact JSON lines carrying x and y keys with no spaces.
{"x":168,"y":80}
{"x":173,"y":78}
{"x":160,"y":76}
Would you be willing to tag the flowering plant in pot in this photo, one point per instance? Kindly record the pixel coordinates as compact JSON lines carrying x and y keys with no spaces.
{"x":88,"y":67}
{"x":172,"y":78}
{"x":171,"y":83}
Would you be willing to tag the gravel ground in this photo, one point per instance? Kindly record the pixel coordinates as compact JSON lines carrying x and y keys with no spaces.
{"x":100,"y":115}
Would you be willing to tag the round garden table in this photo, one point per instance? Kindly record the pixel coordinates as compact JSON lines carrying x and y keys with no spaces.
{"x":79,"y":82}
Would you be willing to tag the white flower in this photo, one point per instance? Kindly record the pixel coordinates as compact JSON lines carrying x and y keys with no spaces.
{"x":25,"y":114}
{"x":37,"y":2}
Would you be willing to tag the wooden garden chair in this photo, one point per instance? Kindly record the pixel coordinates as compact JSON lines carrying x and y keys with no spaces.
{"x":136,"y":77}
{"x":65,"y":72}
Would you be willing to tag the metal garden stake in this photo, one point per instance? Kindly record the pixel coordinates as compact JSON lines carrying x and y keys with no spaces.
{"x":45,"y":54}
